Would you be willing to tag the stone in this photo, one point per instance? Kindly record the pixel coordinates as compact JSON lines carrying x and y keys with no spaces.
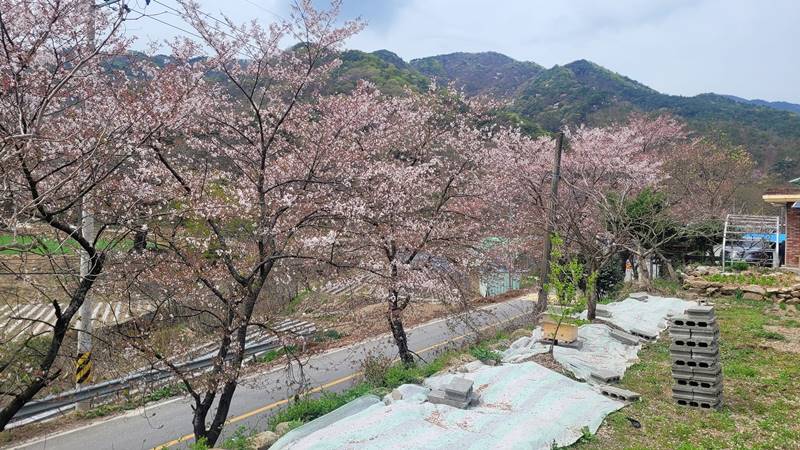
{"x":755,"y":289}
{"x":262,"y":441}
{"x":600,"y":311}
{"x":641,"y":296}
{"x":697,"y":283}
{"x":396,"y":395}
{"x":471,"y":367}
{"x":700,"y":312}
{"x":728,"y":289}
{"x":711,"y":291}
{"x":520,"y":333}
{"x":283,"y":428}
{"x":490,"y":362}
{"x":793,"y":301}
{"x":752,"y":296}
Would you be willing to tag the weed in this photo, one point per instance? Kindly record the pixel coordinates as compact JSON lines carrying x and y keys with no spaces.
{"x":240,"y":440}
{"x":484,"y":354}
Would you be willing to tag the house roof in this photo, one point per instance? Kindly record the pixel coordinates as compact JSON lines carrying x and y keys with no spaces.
{"x":782,"y":194}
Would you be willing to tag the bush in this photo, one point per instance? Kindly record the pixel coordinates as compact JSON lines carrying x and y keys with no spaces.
{"x":738,"y":266}
{"x":308,"y":408}
{"x":239,"y":441}
{"x":484,"y":354}
{"x":375,"y":368}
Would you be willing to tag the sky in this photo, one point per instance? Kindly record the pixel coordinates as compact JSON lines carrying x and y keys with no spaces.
{"x":748,"y":48}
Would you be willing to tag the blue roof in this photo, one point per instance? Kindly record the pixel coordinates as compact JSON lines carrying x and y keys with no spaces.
{"x":765,"y":236}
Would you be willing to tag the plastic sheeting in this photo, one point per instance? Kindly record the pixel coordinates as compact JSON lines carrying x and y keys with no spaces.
{"x":360,"y":404}
{"x":649,"y":315}
{"x":598,"y":350}
{"x":522,"y":406}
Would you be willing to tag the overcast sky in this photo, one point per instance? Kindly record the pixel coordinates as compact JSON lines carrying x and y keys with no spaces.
{"x":686,"y":47}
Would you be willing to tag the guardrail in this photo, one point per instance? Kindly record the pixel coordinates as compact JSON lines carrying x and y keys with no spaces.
{"x":59,"y":402}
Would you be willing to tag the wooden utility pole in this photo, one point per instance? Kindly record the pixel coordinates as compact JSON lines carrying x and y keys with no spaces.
{"x":544,"y":274}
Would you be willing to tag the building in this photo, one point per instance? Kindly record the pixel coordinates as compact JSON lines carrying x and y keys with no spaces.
{"x":788,"y":198}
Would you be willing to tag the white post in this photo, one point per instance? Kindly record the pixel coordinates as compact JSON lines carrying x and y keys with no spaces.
{"x":83,"y":362}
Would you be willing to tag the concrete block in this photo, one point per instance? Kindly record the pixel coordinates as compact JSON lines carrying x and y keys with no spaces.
{"x":696,"y":371}
{"x":641,"y":296}
{"x":625,"y":338}
{"x":700,"y":312}
{"x":686,"y":321}
{"x":679,"y":345}
{"x":619,"y":394}
{"x":694,"y":362}
{"x":689,"y":378}
{"x":602,"y":312}
{"x":459,"y":388}
{"x":644,"y":334}
{"x":711,"y":389}
{"x":439,"y":397}
{"x":577,"y":345}
{"x":685,"y":398}
{"x":604,"y":376}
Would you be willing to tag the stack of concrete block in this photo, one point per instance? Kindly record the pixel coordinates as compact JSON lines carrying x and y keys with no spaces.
{"x":694,"y":351}
{"x":458,"y":394}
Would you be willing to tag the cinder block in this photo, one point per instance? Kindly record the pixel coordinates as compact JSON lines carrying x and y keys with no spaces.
{"x":709,"y":352}
{"x":605,"y":376}
{"x":709,"y":389}
{"x":647,"y":335}
{"x":700,"y":312}
{"x":600,"y":311}
{"x":625,"y":338}
{"x":696,"y":379}
{"x":699,"y":404}
{"x":697,"y":364}
{"x":686,"y":321}
{"x":619,"y":394}
{"x":577,"y":345}
{"x":459,"y":388}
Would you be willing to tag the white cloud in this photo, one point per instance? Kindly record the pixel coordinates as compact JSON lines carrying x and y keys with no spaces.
{"x":685,"y":47}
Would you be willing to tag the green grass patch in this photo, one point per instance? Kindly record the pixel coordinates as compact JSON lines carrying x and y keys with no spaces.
{"x":746,"y":278}
{"x":760,"y":392}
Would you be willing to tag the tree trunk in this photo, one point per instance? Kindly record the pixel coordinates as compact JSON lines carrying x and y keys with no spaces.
{"x":140,"y":239}
{"x":591,"y":307}
{"x":59,"y":332}
{"x":395,"y":318}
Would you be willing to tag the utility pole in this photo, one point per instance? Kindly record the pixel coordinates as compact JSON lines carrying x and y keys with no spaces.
{"x":83,"y":361}
{"x":544,"y":274}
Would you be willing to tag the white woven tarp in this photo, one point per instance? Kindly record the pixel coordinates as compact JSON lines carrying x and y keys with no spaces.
{"x":522,"y":406}
{"x":598,"y":350}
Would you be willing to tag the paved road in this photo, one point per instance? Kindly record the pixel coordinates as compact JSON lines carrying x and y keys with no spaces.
{"x":169,"y":423}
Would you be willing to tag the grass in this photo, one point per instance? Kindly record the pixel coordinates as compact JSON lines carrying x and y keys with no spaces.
{"x":760,"y":391}
{"x":272,"y":355}
{"x":47,"y":246}
{"x":745,"y":278}
{"x":134,"y":402}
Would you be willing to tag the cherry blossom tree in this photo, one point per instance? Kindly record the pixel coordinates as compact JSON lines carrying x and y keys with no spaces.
{"x":72,"y":129}
{"x":248,"y":192}
{"x":598,"y":165}
{"x":415,"y":215}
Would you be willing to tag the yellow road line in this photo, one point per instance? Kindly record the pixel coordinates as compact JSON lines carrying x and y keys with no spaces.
{"x":266,"y":408}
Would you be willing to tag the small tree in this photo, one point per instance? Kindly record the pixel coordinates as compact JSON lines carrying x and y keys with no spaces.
{"x":566,"y":276}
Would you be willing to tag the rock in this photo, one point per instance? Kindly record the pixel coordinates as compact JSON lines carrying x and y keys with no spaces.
{"x":696,"y":283}
{"x":471,"y":367}
{"x":754,"y":289}
{"x":283,"y":428}
{"x":263,"y":441}
{"x":519,"y":333}
{"x":728,"y":289}
{"x":774,"y":291}
{"x":490,"y":362}
{"x":711,"y":290}
{"x":752,"y":296}
{"x":793,"y":301}
{"x":396,"y":395}
{"x":795,"y":294}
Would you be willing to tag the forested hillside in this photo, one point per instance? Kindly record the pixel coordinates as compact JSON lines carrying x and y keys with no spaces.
{"x":584,"y":92}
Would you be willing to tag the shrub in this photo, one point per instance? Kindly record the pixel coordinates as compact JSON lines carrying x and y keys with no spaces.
{"x":375,"y":368}
{"x":239,"y":441}
{"x":484,"y":354}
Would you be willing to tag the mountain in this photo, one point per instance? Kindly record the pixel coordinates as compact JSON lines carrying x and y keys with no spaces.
{"x":478,"y":73}
{"x":781,"y":106}
{"x":544,"y":99}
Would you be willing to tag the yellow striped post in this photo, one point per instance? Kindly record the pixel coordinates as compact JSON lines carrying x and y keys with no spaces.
{"x":83,"y":367}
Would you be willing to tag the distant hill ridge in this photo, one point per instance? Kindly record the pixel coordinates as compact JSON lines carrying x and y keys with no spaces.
{"x":585,"y":92}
